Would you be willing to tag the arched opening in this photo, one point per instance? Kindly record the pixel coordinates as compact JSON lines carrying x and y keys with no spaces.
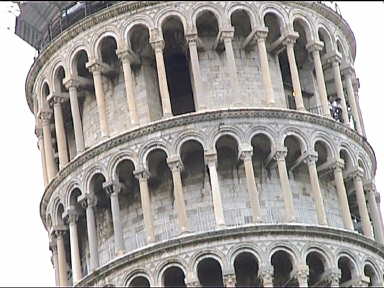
{"x":207,"y":27}
{"x":210,"y":273}
{"x":241,"y":23}
{"x":294,"y":151}
{"x":140,"y":282}
{"x":174,"y":277}
{"x":196,"y":186}
{"x":323,"y":153}
{"x":316,"y":266}
{"x":273,"y":23}
{"x":232,"y":181}
{"x":346,"y":267}
{"x":177,"y":66}
{"x":282,"y":267}
{"x":130,"y":205}
{"x":370,"y":272}
{"x":103,"y":216}
{"x":107,"y":52}
{"x":246,"y":270}
{"x":162,"y":193}
{"x":145,"y":74}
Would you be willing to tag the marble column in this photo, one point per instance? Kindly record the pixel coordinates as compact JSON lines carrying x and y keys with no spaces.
{"x":143,"y":176}
{"x":96,"y":69}
{"x":158,"y":47}
{"x":112,"y":189}
{"x":356,"y":86}
{"x":302,"y":275}
{"x":227,"y":36}
{"x":310,"y":160}
{"x":261,"y":35}
{"x":72,"y":217}
{"x":289,"y":42}
{"x":45,"y":117}
{"x":285,"y":187}
{"x":124,"y":56}
{"x":338,"y":167}
{"x":374,"y":212}
{"x":56,"y":101}
{"x":315,"y":47}
{"x":266,"y":275}
{"x":211,"y":160}
{"x":361,"y":203}
{"x":89,"y":201}
{"x":176,"y":166}
{"x":246,"y":156}
{"x":40,"y":144}
{"x":196,"y":74}
{"x":348,"y":72}
{"x":72,"y":85}
{"x":61,"y":257}
{"x":53,"y":248}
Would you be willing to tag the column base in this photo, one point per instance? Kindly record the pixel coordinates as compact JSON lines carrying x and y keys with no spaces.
{"x":166,"y":116}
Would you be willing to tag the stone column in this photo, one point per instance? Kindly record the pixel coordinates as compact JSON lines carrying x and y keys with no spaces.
{"x":289,"y":42}
{"x":158,"y":47}
{"x":285,"y":187}
{"x":310,"y":160}
{"x":356,"y":86}
{"x":61,"y":257}
{"x":56,"y":101}
{"x":227,"y":36}
{"x":261,"y":35}
{"x":176,"y":166}
{"x":229,"y":280}
{"x":112,"y":189}
{"x":45,"y":117}
{"x":246,"y":156}
{"x":124,"y":56}
{"x":72,"y":216}
{"x":96,"y":69}
{"x":40,"y":144}
{"x":53,"y":248}
{"x":143,"y":177}
{"x":375,"y":214}
{"x":336,"y":60}
{"x":192,"y":44}
{"x":348,"y":72}
{"x":210,"y":160}
{"x":72,"y":85}
{"x":342,"y":193}
{"x":360,"y":198}
{"x":266,"y":274}
{"x":302,"y":275}
{"x":89,"y":201}
{"x":315,"y":47}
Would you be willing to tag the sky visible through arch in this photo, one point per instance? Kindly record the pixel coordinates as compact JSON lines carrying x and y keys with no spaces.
{"x":24,"y":242}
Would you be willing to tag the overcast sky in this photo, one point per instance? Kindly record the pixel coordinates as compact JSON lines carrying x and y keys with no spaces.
{"x":24,"y":253}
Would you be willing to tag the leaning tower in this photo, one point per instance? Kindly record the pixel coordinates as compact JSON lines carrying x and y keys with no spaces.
{"x":202,"y":144}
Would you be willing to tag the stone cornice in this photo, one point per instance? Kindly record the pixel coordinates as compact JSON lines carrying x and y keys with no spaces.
{"x":299,"y":230}
{"x":186,"y":119}
{"x":127,"y":6}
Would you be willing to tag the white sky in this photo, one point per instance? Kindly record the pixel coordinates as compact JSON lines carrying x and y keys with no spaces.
{"x":24,"y":242}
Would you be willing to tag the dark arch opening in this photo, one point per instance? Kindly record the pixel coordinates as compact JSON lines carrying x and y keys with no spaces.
{"x":345,"y":266}
{"x":241,"y":22}
{"x":209,"y":273}
{"x":174,"y":277}
{"x":316,"y":269}
{"x":140,"y":282}
{"x":246,"y":270}
{"x":282,"y":268}
{"x":371,"y":274}
{"x":107,"y":48}
{"x":177,"y":67}
{"x":322,"y":152}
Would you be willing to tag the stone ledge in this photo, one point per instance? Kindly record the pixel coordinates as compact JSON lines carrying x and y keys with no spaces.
{"x":299,"y":230}
{"x":196,"y":117}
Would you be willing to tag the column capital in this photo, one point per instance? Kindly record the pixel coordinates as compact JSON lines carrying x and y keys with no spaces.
{"x":302,"y":272}
{"x":127,"y":55}
{"x":310,"y":157}
{"x":112,"y":187}
{"x":314,"y":45}
{"x":157,"y":45}
{"x":358,"y":172}
{"x":56,"y":98}
{"x":95,"y":65}
{"x":230,"y":280}
{"x":227,"y":33}
{"x":142,"y":174}
{"x":71,"y":215}
{"x":290,"y":38}
{"x":334,"y":57}
{"x":87,"y":200}
{"x":246,"y":153}
{"x":71,"y":82}
{"x":280,"y":154}
{"x":58,"y":231}
{"x":338,"y":164}
{"x":261,"y":32}
{"x":175,"y":163}
{"x":210,"y":158}
{"x":333,"y":275}
{"x":348,"y":70}
{"x":266,"y":272}
{"x":370,"y":186}
{"x":45,"y":115}
{"x":191,"y":37}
